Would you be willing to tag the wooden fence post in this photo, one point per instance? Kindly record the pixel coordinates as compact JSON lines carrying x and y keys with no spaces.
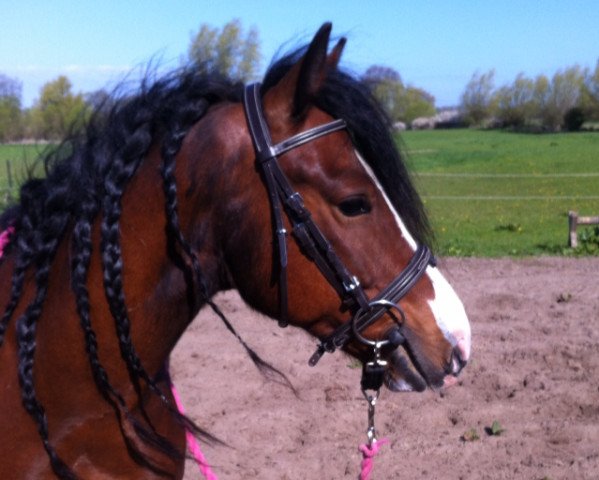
{"x":9,"y":174}
{"x":572,"y":223}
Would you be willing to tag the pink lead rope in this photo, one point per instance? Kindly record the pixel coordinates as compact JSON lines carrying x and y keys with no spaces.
{"x":193,"y":445}
{"x":368,"y":453}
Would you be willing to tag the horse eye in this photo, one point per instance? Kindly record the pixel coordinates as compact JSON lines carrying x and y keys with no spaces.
{"x":354,"y":206}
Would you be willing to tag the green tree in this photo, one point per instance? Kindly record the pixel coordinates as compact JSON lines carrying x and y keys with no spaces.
{"x":476,"y":102}
{"x":417,"y":103}
{"x":386,"y":86}
{"x":541,"y":95}
{"x":400,"y":102}
{"x":573,"y":119}
{"x":590,"y":94}
{"x":10,"y":109}
{"x":514,"y":104}
{"x":559,"y":96}
{"x":58,"y":112}
{"x":229,"y":51}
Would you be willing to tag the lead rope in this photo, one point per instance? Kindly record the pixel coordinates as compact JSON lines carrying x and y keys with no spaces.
{"x":373,"y":374}
{"x":192,"y":444}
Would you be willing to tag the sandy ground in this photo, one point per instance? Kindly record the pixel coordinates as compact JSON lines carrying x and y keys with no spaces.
{"x":535,"y":371}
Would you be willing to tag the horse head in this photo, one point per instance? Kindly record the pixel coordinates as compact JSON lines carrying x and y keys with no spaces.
{"x":356,"y":205}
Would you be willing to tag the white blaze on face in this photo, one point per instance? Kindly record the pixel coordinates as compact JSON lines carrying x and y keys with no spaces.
{"x":447,"y":307}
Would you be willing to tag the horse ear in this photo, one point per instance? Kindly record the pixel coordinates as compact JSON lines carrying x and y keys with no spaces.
{"x":335,"y":55}
{"x":305,"y":79}
{"x":313,"y":69}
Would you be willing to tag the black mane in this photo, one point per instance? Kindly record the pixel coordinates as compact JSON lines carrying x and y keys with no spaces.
{"x":120,"y":130}
{"x":88,"y":174}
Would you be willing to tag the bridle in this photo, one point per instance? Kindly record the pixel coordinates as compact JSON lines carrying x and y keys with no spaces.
{"x":314,"y":244}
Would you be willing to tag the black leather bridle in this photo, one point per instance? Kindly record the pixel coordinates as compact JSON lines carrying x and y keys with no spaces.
{"x":314,"y":244}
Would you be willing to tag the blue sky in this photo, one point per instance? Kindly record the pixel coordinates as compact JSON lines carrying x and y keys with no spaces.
{"x":435,"y":45}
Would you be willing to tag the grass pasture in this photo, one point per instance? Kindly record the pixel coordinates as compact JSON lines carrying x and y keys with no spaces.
{"x":493,"y":193}
{"x":22,"y":159}
{"x":488,"y":193}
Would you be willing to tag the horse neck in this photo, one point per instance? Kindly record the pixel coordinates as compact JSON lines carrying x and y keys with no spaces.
{"x":161,"y":293}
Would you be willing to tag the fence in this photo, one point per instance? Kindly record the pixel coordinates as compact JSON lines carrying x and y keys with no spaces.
{"x":573,"y":221}
{"x":6,"y":192}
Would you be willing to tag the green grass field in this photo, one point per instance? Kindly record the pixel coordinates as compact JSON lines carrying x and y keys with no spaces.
{"x":488,"y":193}
{"x":21,"y":158}
{"x":493,"y":193}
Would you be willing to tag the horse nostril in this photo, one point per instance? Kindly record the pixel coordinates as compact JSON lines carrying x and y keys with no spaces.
{"x":457,"y":360}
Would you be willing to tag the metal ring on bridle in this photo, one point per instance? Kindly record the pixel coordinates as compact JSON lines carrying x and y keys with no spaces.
{"x":387,"y":305}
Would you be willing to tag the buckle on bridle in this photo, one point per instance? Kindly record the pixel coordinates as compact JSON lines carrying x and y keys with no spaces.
{"x":362,"y":318}
{"x":352,"y":285}
{"x":295,"y":203}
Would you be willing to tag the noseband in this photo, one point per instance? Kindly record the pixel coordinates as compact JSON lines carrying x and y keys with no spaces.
{"x":314,"y":244}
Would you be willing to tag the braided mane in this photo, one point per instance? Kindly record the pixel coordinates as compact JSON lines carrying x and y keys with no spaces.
{"x":88,"y":174}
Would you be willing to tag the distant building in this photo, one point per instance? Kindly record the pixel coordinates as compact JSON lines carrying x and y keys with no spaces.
{"x":443,"y":119}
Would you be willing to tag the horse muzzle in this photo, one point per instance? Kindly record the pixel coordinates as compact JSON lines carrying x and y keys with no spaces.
{"x":405,"y":373}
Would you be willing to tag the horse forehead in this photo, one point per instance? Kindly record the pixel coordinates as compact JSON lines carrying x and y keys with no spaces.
{"x":327,"y":159}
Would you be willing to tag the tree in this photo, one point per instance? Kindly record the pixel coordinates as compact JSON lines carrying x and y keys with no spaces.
{"x":514,"y":104}
{"x":401,"y":103}
{"x":417,"y":103}
{"x":559,"y":96}
{"x":573,"y":119}
{"x":477,"y":97}
{"x":377,"y":74}
{"x":386,"y":86}
{"x":228,"y":51}
{"x":590,"y":94}
{"x":541,"y":95}
{"x":10,"y":109}
{"x":58,"y":112}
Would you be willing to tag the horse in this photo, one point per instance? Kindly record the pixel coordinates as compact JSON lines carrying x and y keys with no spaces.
{"x":291,"y":191}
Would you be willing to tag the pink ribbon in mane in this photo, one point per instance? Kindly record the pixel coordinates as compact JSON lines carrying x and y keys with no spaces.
{"x":5,"y":238}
